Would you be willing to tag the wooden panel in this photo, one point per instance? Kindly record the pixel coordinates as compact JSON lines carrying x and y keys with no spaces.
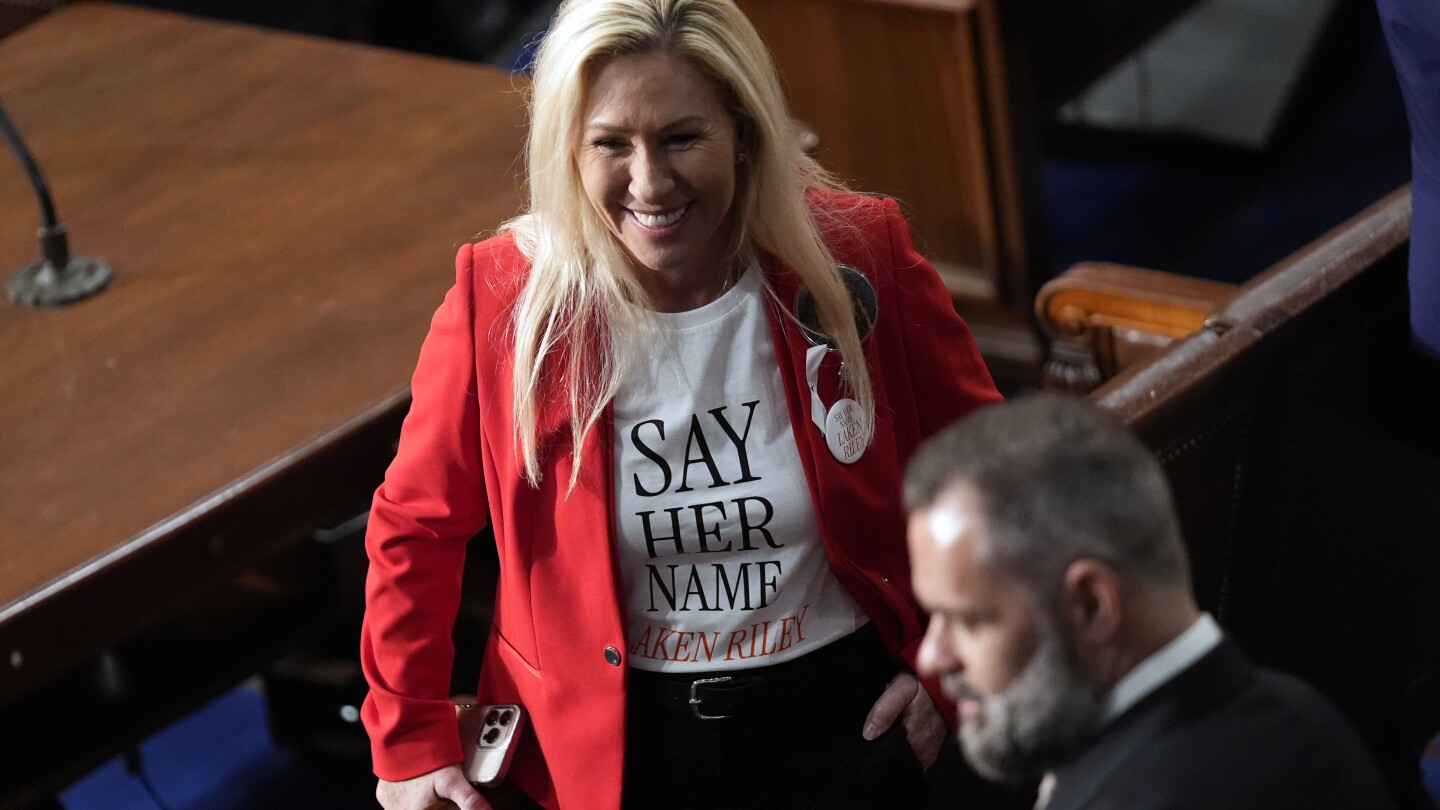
{"x":282,"y":215}
{"x":893,"y":90}
{"x":939,"y":103}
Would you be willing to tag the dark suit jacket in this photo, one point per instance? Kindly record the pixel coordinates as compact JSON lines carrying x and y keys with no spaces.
{"x":1224,"y":735}
{"x":1412,"y":29}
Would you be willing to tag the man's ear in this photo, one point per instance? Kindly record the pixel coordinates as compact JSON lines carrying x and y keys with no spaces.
{"x":1090,"y":603}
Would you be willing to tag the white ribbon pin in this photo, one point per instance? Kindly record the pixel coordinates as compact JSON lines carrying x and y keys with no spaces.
{"x":843,"y":423}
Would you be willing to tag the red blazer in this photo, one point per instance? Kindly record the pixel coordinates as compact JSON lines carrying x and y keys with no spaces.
{"x":559,"y":629}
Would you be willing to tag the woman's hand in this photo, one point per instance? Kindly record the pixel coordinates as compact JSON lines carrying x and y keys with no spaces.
{"x":924,"y":727}
{"x":428,"y":789}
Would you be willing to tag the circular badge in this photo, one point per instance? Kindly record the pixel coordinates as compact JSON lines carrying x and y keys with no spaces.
{"x":862,"y":295}
{"x":845,"y":431}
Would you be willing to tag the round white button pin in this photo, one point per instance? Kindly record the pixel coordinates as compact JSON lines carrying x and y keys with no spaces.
{"x":845,"y":431}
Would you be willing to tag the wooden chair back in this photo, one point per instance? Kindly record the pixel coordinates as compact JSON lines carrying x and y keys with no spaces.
{"x":1102,"y":319}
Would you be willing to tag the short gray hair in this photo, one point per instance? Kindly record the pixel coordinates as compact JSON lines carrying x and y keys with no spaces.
{"x":1058,"y":479}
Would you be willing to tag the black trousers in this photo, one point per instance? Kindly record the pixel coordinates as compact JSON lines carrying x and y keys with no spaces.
{"x":792,"y":739}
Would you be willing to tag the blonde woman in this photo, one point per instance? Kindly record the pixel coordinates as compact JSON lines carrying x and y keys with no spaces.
{"x":685,"y":419}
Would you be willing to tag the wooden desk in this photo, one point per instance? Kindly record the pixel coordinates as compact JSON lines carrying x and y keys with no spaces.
{"x":282,"y":214}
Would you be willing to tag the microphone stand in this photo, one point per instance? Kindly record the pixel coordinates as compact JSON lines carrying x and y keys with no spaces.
{"x":58,"y":278}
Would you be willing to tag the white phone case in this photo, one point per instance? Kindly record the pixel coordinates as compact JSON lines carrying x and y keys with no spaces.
{"x":488,"y":734}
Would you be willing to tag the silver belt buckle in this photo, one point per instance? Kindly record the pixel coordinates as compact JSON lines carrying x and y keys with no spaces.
{"x":695,"y":700}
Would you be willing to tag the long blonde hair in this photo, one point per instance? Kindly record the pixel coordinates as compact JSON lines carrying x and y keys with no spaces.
{"x":582,"y":295}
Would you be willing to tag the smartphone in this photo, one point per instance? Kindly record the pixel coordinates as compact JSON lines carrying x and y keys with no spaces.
{"x":489,"y":735}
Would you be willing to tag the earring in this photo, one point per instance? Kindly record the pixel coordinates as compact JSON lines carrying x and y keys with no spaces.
{"x":740,"y":158}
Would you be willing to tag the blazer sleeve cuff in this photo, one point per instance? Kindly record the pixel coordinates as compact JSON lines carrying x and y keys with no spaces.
{"x":410,"y":737}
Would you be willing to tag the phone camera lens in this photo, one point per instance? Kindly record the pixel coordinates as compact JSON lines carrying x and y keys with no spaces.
{"x":505,"y":717}
{"x":492,"y":735}
{"x":490,"y":717}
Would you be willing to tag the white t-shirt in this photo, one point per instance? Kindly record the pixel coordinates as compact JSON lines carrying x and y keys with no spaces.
{"x":723,"y":563}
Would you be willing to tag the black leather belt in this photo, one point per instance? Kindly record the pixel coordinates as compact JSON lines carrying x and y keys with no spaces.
{"x":808,"y":680}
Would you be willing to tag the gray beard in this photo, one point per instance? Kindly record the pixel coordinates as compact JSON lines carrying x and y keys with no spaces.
{"x":1040,"y":720}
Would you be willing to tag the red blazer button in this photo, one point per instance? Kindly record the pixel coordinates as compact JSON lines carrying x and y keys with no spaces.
{"x":612,"y":656}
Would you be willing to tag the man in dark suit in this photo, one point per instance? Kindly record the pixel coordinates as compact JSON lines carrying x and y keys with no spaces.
{"x":1044,"y":542}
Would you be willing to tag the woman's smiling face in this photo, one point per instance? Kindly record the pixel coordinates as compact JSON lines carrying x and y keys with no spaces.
{"x":657,"y":157}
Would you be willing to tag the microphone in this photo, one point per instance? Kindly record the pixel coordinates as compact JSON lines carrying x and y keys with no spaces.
{"x":58,"y":278}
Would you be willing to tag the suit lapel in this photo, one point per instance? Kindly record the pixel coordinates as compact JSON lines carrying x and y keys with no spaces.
{"x":570,"y":532}
{"x":1082,"y":776}
{"x":1197,"y":691}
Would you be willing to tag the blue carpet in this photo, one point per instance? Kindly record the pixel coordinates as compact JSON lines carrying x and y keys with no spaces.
{"x":222,"y":757}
